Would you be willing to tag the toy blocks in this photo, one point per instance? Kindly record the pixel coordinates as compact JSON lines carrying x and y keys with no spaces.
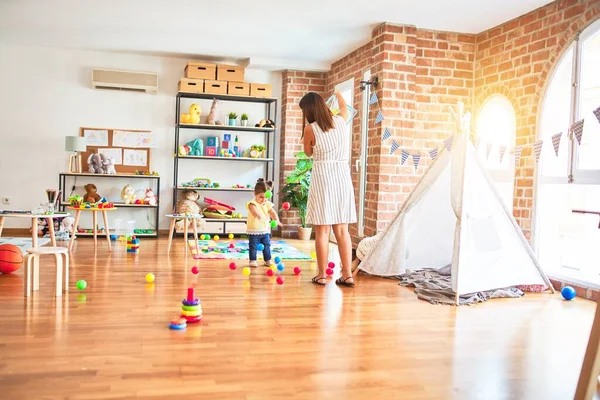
{"x":133,"y":245}
{"x":211,"y":151}
{"x":212,"y":141}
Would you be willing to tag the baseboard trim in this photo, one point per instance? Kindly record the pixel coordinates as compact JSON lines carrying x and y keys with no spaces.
{"x":16,"y":232}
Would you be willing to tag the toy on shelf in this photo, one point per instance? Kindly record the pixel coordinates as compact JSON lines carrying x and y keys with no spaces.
{"x":109,"y":166}
{"x":191,"y":308}
{"x":76,"y":200}
{"x":265,"y":123}
{"x":150,"y":198}
{"x":257,"y":151}
{"x":94,"y":162}
{"x":212,"y":115}
{"x":193,"y":115}
{"x":192,"y":148}
{"x":147,"y":173}
{"x":133,"y":244}
{"x":91,"y":193}
{"x":219,"y":210}
{"x":201,"y":183}
{"x":128,"y":194}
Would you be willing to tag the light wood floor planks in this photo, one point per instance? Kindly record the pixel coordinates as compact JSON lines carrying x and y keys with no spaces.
{"x":263,"y":341}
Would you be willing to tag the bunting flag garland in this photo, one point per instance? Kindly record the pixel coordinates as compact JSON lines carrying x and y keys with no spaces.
{"x":433,"y":153}
{"x":416,"y":159}
{"x":518,"y":151}
{"x":386,"y":134}
{"x":379,"y":117}
{"x":556,"y":142}
{"x":502,"y":150}
{"x":488,"y":150}
{"x":373,"y":99}
{"x":394,"y":147}
{"x":537,"y":148}
{"x":577,"y":129}
{"x":448,"y":143}
{"x":405,"y":155}
{"x":597,"y":113}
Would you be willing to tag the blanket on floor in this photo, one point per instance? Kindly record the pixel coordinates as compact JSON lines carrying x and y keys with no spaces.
{"x":435,"y":286}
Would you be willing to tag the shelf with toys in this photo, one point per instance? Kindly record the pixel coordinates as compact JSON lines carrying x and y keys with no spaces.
{"x":229,"y":158}
{"x":226,"y":97}
{"x":227,"y":128}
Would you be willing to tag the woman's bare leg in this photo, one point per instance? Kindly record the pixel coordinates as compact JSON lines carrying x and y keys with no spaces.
{"x":322,"y":233}
{"x":345,"y":248}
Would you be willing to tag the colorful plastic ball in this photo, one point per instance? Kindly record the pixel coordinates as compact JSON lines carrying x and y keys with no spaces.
{"x":329,"y":271}
{"x":195,"y":270}
{"x":280,"y":280}
{"x":313,"y":255}
{"x":246,"y":271}
{"x":331,"y":265}
{"x":81,"y":284}
{"x":280,"y":267}
{"x":297,"y":270}
{"x":270,"y":272}
{"x":232,"y":266}
{"x":150,"y":277}
{"x":568,"y":293}
{"x":260,"y":247}
{"x":216,"y":238}
{"x":231,"y":236}
{"x":273,"y":224}
{"x":231,"y":245}
{"x":277,"y":259}
{"x":268,"y":194}
{"x":285,"y":206}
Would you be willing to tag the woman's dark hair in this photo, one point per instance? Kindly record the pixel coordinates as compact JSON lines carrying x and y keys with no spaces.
{"x":262,"y":186}
{"x":314,"y":109}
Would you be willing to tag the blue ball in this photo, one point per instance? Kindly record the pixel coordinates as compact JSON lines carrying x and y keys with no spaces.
{"x":280,"y":267}
{"x":568,"y":293}
{"x":277,"y":260}
{"x":260,"y":247}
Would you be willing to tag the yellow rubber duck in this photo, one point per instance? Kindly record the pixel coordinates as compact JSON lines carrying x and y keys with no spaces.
{"x":193,"y":115}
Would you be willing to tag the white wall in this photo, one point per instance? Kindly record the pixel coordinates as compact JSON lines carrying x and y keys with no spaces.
{"x":45,"y":95}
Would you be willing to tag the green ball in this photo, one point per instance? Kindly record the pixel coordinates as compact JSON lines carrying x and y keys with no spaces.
{"x":268,"y":194}
{"x":81,"y":284}
{"x":273,"y":224}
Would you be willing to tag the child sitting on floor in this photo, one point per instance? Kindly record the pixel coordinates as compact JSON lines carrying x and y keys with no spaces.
{"x":258,"y":225}
{"x":364,"y":248}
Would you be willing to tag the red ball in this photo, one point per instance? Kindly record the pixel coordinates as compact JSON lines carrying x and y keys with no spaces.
{"x":231,"y":245}
{"x":270,"y":272}
{"x":280,"y":280}
{"x":297,"y":270}
{"x":232,"y":266}
{"x":329,"y":271}
{"x":195,"y":270}
{"x":11,"y":258}
{"x":331,"y":265}
{"x":285,"y":206}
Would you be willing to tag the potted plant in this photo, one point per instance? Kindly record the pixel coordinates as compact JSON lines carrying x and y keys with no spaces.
{"x":232,"y":118}
{"x":295,"y":192}
{"x":244,"y":119}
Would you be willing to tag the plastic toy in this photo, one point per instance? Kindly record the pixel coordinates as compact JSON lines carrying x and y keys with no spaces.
{"x":191,"y":309}
{"x":280,"y":267}
{"x":195,"y":270}
{"x":268,"y":194}
{"x":331,"y":264}
{"x":280,"y":280}
{"x":273,"y":224}
{"x":568,"y":293}
{"x":178,"y":323}
{"x":150,"y":277}
{"x":297,"y":270}
{"x":133,"y":245}
{"x":232,"y":266}
{"x":285,"y":206}
{"x":231,"y":236}
{"x":11,"y":258}
{"x":329,"y":271}
{"x":193,"y":115}
{"x":81,"y":284}
{"x":277,"y":259}
{"x":270,"y":272}
{"x":231,"y":245}
{"x":246,"y":271}
{"x":260,"y":247}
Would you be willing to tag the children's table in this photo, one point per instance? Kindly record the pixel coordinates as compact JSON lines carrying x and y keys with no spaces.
{"x":94,"y":211}
{"x":34,"y":224}
{"x":186,"y":217}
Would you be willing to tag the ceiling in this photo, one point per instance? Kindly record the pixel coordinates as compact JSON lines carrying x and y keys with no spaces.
{"x":273,"y":34}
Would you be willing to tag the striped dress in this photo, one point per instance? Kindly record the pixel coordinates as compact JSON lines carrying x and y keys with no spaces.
{"x":331,"y":195}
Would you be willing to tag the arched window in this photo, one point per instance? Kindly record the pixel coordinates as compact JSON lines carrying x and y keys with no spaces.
{"x":496,"y":126}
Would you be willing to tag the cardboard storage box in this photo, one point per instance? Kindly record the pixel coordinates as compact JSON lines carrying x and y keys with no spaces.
{"x":215,"y":87}
{"x":200,"y":70}
{"x":260,"y":90}
{"x":238,"y":88}
{"x":191,"y":85}
{"x":230,"y":73}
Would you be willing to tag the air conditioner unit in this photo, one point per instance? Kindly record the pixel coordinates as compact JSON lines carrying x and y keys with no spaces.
{"x":124,"y":80}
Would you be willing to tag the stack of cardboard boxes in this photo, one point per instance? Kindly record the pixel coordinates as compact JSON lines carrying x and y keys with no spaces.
{"x":201,"y":77}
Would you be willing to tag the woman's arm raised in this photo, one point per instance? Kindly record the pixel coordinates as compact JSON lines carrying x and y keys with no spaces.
{"x":343,"y":107}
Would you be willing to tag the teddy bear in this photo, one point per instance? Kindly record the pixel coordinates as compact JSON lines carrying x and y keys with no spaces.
{"x":128,"y":194}
{"x":91,"y":195}
{"x":150,"y":198}
{"x":95,"y":164}
{"x":187,"y":205}
{"x":109,"y":166}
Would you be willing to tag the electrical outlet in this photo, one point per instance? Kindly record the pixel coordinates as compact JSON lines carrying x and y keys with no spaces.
{"x":6,"y":200}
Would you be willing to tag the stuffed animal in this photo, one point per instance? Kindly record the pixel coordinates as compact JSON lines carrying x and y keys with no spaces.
{"x":95,"y":164}
{"x":91,"y":193}
{"x":212,"y":115}
{"x":109,"y":166}
{"x":128,"y":194}
{"x":193,"y":115}
{"x":187,"y":205}
{"x":150,"y":198}
{"x":265,"y":123}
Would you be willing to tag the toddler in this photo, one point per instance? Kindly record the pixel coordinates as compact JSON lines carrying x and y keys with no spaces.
{"x":260,"y":212}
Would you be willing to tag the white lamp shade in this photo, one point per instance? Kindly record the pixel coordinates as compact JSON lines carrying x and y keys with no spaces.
{"x":75,"y":143}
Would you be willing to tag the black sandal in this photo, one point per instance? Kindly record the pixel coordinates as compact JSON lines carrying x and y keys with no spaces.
{"x":316,"y":280}
{"x":344,"y":282}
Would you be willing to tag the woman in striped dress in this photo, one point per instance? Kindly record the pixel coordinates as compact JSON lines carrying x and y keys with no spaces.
{"x":331,"y":195}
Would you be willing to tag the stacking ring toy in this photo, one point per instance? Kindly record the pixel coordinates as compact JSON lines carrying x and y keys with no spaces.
{"x":197,"y":313}
{"x":177,"y":327}
{"x":195,"y":302}
{"x":192,"y":319}
{"x":191,"y":308}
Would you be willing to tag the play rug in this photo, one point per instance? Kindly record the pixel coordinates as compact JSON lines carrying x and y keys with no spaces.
{"x":212,"y":250}
{"x":23,"y":243}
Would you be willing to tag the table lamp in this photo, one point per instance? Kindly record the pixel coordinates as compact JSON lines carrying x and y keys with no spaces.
{"x":75,"y":144}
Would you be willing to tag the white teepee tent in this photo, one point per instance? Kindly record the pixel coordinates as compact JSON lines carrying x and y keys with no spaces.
{"x":456,"y":216}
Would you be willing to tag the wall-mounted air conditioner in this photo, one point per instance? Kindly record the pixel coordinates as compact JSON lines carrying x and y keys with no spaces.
{"x":124,"y":80}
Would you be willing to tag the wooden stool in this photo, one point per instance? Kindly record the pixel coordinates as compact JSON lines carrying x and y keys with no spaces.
{"x":186,"y":218}
{"x":33,"y":260}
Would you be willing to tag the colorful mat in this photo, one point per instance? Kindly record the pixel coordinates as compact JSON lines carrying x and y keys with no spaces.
{"x":23,"y":243}
{"x":212,"y":250}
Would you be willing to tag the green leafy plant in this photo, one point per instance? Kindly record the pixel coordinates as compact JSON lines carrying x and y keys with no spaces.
{"x":232,"y":115}
{"x":295,"y":191}
{"x":244,"y":117}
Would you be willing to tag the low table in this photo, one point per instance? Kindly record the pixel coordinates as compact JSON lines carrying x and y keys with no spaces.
{"x":34,"y":224}
{"x":94,"y":211}
{"x":187,"y":217}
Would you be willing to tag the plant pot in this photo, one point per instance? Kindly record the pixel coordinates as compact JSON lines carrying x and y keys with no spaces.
{"x":304,"y":233}
{"x":244,"y":122}
{"x":231,"y":122}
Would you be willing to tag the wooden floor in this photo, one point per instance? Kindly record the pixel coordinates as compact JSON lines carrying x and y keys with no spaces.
{"x":259,"y":340}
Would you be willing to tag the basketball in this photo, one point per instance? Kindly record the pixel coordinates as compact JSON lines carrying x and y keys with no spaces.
{"x":11,"y":258}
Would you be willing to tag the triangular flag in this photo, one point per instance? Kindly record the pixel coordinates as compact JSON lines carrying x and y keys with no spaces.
{"x":394,"y":147}
{"x":386,"y":134}
{"x":405,"y":155}
{"x":379,"y":117}
{"x":577,"y":129}
{"x":488,"y":150}
{"x":556,"y":142}
{"x":416,"y":158}
{"x":597,"y":113}
{"x":537,"y":148}
{"x":433,"y":153}
{"x":518,"y":151}
{"x":502,"y":150}
{"x":373,"y":99}
{"x":448,"y":143}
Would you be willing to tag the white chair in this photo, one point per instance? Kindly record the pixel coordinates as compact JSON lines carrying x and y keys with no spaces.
{"x":33,"y":268}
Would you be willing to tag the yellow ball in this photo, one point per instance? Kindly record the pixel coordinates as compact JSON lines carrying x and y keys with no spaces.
{"x":231,"y":236}
{"x":313,"y":255}
{"x":216,"y":237}
{"x":246,"y":271}
{"x":150,"y":278}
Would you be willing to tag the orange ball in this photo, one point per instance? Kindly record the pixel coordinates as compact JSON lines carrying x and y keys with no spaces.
{"x":11,"y":258}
